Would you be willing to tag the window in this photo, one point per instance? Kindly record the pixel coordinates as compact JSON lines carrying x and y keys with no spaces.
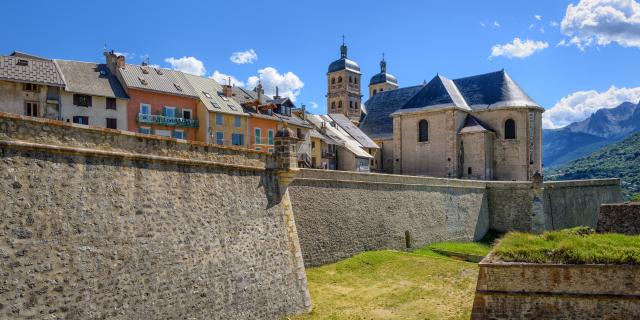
{"x":355,"y":80}
{"x":339,"y":104}
{"x":350,"y":79}
{"x":170,"y":112}
{"x":256,"y":139}
{"x":158,"y":71}
{"x":313,"y":144}
{"x":381,"y":89}
{"x":22,"y":62}
{"x":469,"y":170}
{"x":219,"y":137}
{"x":270,"y":136}
{"x":232,"y":107}
{"x":145,"y":108}
{"x":81,"y":120}
{"x":178,"y":134}
{"x":356,"y":104}
{"x":82,"y":100}
{"x":29,"y":87}
{"x":374,"y":92}
{"x":31,"y":109}
{"x":299,"y":133}
{"x":145,"y":130}
{"x":111,"y":103}
{"x":206,"y":94}
{"x":142,"y":81}
{"x":333,"y":104}
{"x":215,"y":105}
{"x":186,"y":113}
{"x":270,"y":150}
{"x":350,"y":104}
{"x":237,"y":139}
{"x":223,"y":96}
{"x":112,"y":123}
{"x":178,"y":87}
{"x":333,"y":80}
{"x":339,"y":79}
{"x":510,"y":129}
{"x":423,"y":131}
{"x":219,"y":119}
{"x":237,"y":121}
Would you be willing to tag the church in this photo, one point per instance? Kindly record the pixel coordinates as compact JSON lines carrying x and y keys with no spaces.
{"x":482,"y":127}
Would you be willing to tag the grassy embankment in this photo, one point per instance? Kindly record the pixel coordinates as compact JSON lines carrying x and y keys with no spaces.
{"x":571,"y":246}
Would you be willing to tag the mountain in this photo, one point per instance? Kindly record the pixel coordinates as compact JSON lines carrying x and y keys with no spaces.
{"x":618,"y":160}
{"x":579,"y":139}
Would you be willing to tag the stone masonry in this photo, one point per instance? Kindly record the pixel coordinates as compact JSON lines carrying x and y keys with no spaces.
{"x":620,"y":218}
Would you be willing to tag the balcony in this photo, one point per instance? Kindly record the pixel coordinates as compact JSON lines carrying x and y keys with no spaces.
{"x":167,"y":121}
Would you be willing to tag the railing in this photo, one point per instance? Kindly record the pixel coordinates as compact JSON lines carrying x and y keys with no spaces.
{"x":167,"y":121}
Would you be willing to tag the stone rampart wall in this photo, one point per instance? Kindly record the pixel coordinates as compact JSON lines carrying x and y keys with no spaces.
{"x":619,"y":218}
{"x":95,"y":224}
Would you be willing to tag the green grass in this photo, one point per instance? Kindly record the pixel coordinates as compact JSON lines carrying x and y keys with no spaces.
{"x":571,"y":246}
{"x":472,"y":248}
{"x":636,"y":198}
{"x":392,"y":285}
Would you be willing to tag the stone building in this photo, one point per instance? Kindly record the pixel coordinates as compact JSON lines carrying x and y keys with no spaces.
{"x":480,"y":127}
{"x":30,"y":85}
{"x":92,"y":95}
{"x":343,"y":82}
{"x":382,"y":81}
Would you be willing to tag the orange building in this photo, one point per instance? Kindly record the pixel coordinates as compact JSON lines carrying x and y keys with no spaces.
{"x":262,"y":129}
{"x":161,"y":101}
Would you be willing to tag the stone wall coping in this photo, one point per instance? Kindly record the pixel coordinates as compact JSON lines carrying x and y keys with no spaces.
{"x":492,"y":260}
{"x":581,"y":183}
{"x":106,"y":131}
{"x":622,"y":204}
{"x":444,"y":185}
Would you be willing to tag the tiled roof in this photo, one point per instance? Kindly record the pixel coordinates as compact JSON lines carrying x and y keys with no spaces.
{"x":211,"y":95}
{"x":21,"y":54}
{"x":293,"y":120}
{"x":473,"y":125}
{"x":377,"y":124}
{"x":156,"y":79}
{"x":341,"y":138}
{"x":24,"y":69}
{"x":314,"y":133}
{"x":357,"y":134}
{"x":243,"y":95}
{"x":90,"y":78}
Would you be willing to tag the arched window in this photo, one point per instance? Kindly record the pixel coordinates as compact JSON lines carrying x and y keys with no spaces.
{"x":374,"y":92}
{"x":350,"y":79}
{"x":356,"y":104}
{"x":510,"y":129}
{"x":381,"y":89}
{"x":340,"y":79}
{"x":339,"y":104}
{"x":423,"y":131}
{"x":333,"y":80}
{"x":333,"y":104}
{"x":350,"y":104}
{"x":355,"y":80}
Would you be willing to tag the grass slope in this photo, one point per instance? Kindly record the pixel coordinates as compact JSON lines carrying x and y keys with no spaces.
{"x":619,"y":160}
{"x":393,"y":285}
{"x":571,"y":246}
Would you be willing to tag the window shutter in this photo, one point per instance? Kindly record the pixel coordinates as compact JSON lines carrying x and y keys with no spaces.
{"x":164,"y":111}
{"x":89,"y":98}
{"x":75,"y":99}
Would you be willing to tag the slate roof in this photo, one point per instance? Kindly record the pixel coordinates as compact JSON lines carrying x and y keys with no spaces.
{"x":383,"y":77}
{"x":156,"y":79}
{"x":38,"y":71}
{"x":493,"y":90}
{"x":211,"y":95}
{"x":314,"y":133}
{"x":440,"y":92}
{"x":357,"y":134}
{"x":341,"y":138}
{"x":86,"y":78}
{"x":293,"y":120}
{"x":474,"y":125}
{"x":21,"y":54}
{"x":342,"y":64}
{"x":243,"y":95}
{"x":378,"y":124}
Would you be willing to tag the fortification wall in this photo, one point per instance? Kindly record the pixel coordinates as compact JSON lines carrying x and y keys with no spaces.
{"x":340,"y":214}
{"x":576,"y":203}
{"x":96,"y":224}
{"x":510,"y":205}
{"x":619,"y":218}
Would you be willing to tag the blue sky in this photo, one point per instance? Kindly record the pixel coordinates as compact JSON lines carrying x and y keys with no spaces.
{"x":291,"y":43}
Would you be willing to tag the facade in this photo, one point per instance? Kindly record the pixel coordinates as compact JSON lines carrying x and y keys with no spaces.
{"x":30,"y":86}
{"x":479,"y":127}
{"x":323,"y":151}
{"x":343,"y":82}
{"x":161,"y":101}
{"x":92,"y":95}
{"x":382,"y":81}
{"x":222,"y":119}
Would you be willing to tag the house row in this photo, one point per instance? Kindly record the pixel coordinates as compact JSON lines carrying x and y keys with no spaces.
{"x":157,"y":101}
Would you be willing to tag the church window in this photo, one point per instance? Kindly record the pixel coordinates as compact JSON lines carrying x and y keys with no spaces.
{"x":375,"y":91}
{"x":423,"y":131}
{"x":333,"y":104}
{"x":350,"y":104}
{"x":356,"y":104}
{"x":339,"y":104}
{"x":510,"y":129}
{"x":355,"y":80}
{"x":333,"y":80}
{"x":381,"y":89}
{"x":339,"y":79}
{"x":350,"y":79}
{"x":469,"y":171}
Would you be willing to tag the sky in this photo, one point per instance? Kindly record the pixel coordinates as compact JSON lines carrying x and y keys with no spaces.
{"x":572,"y":57}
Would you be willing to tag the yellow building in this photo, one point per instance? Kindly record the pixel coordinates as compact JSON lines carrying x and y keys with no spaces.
{"x":223,"y":120}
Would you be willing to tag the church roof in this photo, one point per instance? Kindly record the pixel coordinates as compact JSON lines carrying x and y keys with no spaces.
{"x":344,"y":63}
{"x":378,"y":124}
{"x":383,"y":77}
{"x":440,"y":92}
{"x":493,"y":90}
{"x":473,"y":125}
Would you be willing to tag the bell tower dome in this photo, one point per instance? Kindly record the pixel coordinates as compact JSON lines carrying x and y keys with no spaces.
{"x":343,"y":83}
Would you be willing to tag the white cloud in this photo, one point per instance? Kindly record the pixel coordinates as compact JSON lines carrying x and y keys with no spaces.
{"x":541,"y":30}
{"x":187,"y":65}
{"x":313,"y":105}
{"x":222,"y":78}
{"x":601,"y":22}
{"x":531,"y":26}
{"x":496,"y":24}
{"x":518,"y":48}
{"x":581,"y":104}
{"x":482,"y":24}
{"x":289,"y":84}
{"x":537,"y":17}
{"x":553,"y":24}
{"x":242,"y":57}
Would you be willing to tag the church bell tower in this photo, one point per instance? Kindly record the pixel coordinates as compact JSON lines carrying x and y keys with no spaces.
{"x":343,"y":82}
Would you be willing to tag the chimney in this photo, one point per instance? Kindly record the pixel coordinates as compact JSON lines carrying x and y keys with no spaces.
{"x":114,"y":61}
{"x":304,"y":112}
{"x":227,"y":89}
{"x":276,"y":96}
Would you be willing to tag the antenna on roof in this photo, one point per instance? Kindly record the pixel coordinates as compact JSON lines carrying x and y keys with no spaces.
{"x":229,"y":79}
{"x":145,"y":61}
{"x":104,"y":48}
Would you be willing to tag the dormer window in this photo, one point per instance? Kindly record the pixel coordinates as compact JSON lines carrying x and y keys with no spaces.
{"x":143,"y":81}
{"x":232,"y":107}
{"x":223,"y":96}
{"x":206,"y":94}
{"x":144,"y":70}
{"x":22,"y":62}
